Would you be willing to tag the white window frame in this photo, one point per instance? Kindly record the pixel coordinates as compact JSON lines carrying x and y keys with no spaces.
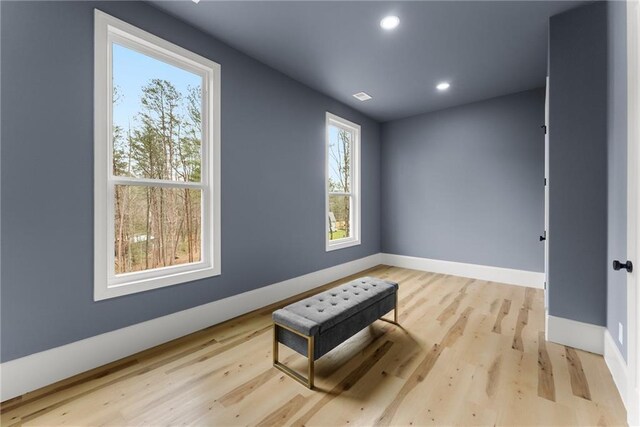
{"x":354,"y":212}
{"x":106,"y":283}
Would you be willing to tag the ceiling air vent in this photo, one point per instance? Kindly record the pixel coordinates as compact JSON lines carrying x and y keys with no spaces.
{"x":362,"y":96}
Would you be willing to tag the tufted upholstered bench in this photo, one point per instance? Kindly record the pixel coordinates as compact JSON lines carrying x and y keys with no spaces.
{"x":316,"y":325}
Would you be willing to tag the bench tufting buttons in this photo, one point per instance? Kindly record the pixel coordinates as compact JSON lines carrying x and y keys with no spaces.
{"x":321,"y":310}
{"x":334,"y":303}
{"x":357,"y":293}
{"x":307,"y":306}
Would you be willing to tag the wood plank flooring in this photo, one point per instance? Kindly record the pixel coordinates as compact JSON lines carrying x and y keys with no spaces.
{"x":469,"y":352}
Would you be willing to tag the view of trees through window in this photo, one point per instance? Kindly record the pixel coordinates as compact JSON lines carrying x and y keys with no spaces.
{"x":340,"y":198}
{"x":157,"y":135}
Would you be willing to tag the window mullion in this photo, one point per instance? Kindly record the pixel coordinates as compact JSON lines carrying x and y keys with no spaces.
{"x":145,"y":182}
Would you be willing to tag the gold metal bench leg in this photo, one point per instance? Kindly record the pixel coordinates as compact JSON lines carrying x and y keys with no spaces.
{"x":311,"y":350}
{"x":395,"y":310}
{"x":275,"y":344}
{"x":311,"y":360}
{"x":308,"y":382}
{"x":395,"y":314}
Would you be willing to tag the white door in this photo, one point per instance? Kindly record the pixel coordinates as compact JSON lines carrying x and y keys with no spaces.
{"x":633,"y":209}
{"x":545,"y":234}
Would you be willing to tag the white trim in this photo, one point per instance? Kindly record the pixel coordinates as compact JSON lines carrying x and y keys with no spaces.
{"x":123,"y":180}
{"x":633,"y":210}
{"x":107,"y":284}
{"x":354,"y":239}
{"x":617,"y":366}
{"x":572,"y":333}
{"x":622,"y":378}
{"x":37,"y":370}
{"x":509,"y":276}
{"x":546,"y":195}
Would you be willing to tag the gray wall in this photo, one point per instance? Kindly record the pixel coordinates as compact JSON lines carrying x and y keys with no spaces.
{"x":272,"y":173}
{"x":578,"y":164}
{"x":617,"y":169}
{"x":466,"y":184}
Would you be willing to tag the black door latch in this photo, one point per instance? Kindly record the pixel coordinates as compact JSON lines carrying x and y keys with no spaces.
{"x":617,"y":265}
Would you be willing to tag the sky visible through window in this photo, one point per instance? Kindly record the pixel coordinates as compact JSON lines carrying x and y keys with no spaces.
{"x":334,"y":167}
{"x":131,"y":72}
{"x":157,"y":135}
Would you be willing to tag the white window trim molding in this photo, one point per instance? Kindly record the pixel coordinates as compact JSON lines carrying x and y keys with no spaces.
{"x":106,"y":284}
{"x":354,"y":240}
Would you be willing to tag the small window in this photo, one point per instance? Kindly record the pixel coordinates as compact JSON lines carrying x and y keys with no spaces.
{"x":157,"y":157}
{"x":343,"y":183}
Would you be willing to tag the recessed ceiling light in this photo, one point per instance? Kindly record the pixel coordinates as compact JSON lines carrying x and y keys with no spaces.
{"x":390,"y":22}
{"x":196,"y":1}
{"x":362,"y":96}
{"x":443,"y":86}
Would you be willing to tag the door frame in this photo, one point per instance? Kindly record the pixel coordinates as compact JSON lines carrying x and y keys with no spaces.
{"x":546,"y":207}
{"x":546,"y":203}
{"x":633,"y":209}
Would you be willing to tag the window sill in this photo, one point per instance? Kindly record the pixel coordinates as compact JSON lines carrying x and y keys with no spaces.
{"x":145,"y":284}
{"x":341,"y":244}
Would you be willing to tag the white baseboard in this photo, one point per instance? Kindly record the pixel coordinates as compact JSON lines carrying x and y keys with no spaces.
{"x":617,"y":366}
{"x":633,"y":409}
{"x":37,"y":370}
{"x":620,"y":373}
{"x":482,"y":272}
{"x":583,"y":336}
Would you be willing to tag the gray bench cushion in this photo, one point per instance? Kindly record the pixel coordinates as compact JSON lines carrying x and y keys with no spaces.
{"x":313,"y":315}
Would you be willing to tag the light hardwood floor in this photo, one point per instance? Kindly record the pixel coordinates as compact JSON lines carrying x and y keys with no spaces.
{"x":469,"y":352}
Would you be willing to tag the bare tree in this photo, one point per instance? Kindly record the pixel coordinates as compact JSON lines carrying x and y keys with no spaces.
{"x":158,"y":226}
{"x":340,"y":181}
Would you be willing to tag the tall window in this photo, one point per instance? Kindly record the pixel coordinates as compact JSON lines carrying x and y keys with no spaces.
{"x":157,"y":157}
{"x":343,"y":183}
